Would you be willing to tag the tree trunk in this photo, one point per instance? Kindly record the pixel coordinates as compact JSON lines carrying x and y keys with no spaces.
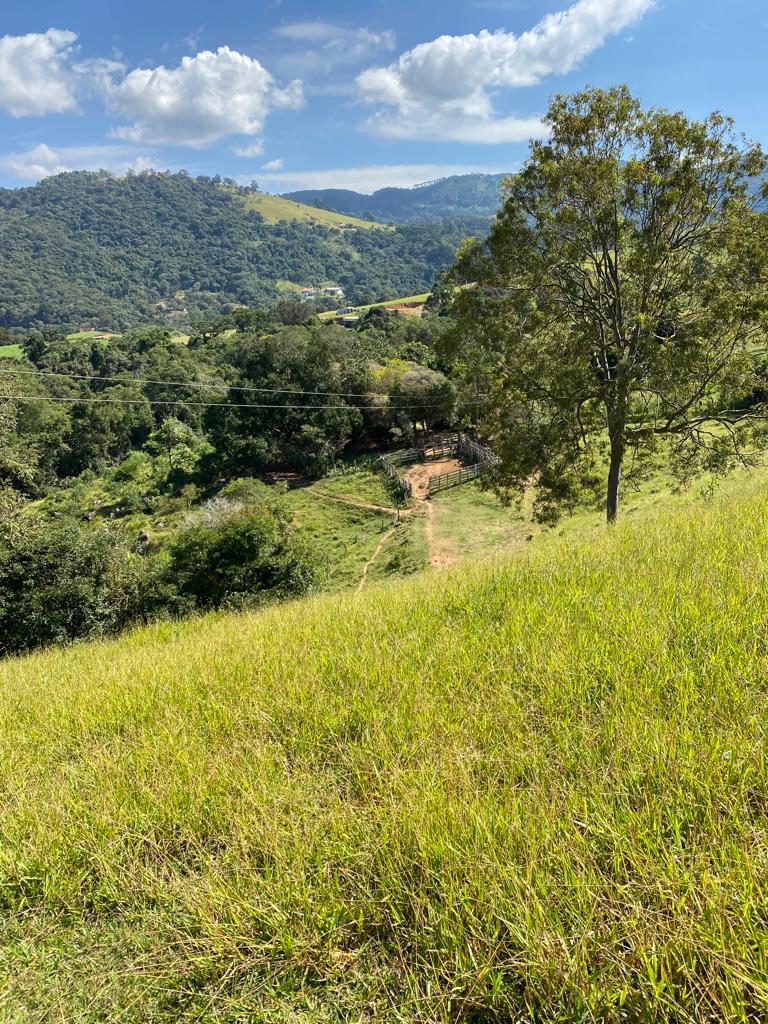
{"x":614,"y":478}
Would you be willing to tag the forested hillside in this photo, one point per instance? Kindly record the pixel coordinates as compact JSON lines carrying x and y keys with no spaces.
{"x":469,"y":197}
{"x":112,"y":251}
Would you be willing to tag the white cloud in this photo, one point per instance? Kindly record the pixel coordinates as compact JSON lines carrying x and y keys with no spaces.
{"x":273,"y":165}
{"x":204,"y":99}
{"x":252,"y":149}
{"x":325,"y":46}
{"x":42,"y":161}
{"x":369,"y":179}
{"x":35,"y":73}
{"x":442,"y":90}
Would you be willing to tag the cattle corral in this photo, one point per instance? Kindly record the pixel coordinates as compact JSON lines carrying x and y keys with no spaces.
{"x":460,"y":459}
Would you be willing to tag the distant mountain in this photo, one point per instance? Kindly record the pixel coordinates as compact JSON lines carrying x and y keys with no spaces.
{"x":462,"y":196}
{"x":91,"y":248}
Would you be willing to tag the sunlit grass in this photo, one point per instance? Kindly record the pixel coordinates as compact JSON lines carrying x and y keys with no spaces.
{"x":528,"y":789}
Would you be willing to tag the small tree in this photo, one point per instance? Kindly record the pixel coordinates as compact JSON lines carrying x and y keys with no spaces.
{"x":179,"y":443}
{"x":620,"y":295}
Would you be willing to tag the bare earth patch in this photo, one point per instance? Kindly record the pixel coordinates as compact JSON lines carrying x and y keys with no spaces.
{"x":422,"y":472}
{"x":442,"y":552}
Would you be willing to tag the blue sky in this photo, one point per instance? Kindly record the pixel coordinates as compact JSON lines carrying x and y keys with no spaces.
{"x":300,"y":95}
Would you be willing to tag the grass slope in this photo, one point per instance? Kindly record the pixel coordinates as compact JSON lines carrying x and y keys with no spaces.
{"x":275,"y":209}
{"x":409,"y":299}
{"x":533,"y":789}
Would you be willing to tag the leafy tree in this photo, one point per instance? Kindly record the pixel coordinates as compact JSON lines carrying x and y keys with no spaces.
{"x":425,"y":396}
{"x":292,"y":313}
{"x":105,"y":428}
{"x":179,"y":444}
{"x":619,"y":295}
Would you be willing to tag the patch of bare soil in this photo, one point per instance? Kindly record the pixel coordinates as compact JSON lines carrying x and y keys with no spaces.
{"x":422,"y":472}
{"x":414,"y":309}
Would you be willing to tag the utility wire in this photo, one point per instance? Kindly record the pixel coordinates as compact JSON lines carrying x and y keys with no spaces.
{"x":190,"y":384}
{"x":200,"y":405}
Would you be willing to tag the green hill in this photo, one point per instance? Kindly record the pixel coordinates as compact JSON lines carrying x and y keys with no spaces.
{"x":533,"y":789}
{"x":275,"y":209}
{"x":474,"y":197}
{"x":169,"y":249}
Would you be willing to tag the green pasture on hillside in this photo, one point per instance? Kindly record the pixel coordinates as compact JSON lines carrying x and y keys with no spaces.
{"x":531,"y":789}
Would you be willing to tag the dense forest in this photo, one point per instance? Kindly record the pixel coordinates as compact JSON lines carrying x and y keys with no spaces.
{"x":133,"y":469}
{"x":86,"y":247}
{"x":472,"y":198}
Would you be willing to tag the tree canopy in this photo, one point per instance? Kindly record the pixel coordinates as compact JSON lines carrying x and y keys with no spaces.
{"x":619,"y":298}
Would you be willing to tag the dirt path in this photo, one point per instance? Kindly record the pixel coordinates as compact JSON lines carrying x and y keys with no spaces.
{"x":372,"y":559}
{"x":442,"y":553}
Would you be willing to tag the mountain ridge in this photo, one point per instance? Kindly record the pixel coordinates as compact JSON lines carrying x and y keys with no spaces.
{"x":88,"y":247}
{"x":464,"y":196}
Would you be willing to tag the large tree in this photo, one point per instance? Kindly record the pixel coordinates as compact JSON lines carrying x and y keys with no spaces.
{"x":620,"y":296}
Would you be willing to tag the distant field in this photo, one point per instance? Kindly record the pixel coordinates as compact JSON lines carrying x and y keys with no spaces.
{"x":11,"y":352}
{"x":274,"y":209}
{"x":91,"y":336}
{"x":408,"y":300}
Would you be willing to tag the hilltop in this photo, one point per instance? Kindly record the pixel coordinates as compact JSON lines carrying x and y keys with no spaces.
{"x":280,"y":209}
{"x":168,"y":248}
{"x":529,"y":789}
{"x":469,"y":197}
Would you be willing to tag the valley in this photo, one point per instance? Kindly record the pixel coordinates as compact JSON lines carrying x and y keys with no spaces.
{"x":382,"y":575}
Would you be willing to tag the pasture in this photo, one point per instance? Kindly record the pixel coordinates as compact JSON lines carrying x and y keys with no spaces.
{"x":532,"y":788}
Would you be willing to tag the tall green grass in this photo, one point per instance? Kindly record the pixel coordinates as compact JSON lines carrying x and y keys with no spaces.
{"x":529,"y":790}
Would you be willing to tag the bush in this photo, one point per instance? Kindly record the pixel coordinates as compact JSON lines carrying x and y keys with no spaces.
{"x":60,"y":582}
{"x":236,"y":555}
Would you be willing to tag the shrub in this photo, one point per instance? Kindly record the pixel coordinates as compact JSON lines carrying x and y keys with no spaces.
{"x":61,"y":582}
{"x":235,"y":555}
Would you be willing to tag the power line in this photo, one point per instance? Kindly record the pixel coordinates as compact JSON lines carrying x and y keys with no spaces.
{"x":202,"y":405}
{"x":190,"y":384}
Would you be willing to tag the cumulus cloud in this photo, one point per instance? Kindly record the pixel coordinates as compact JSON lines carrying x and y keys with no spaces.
{"x":443,"y":89}
{"x":325,"y":46}
{"x":42,"y":160}
{"x":369,"y":179}
{"x":36,"y":76}
{"x":273,"y":165}
{"x":204,"y":99}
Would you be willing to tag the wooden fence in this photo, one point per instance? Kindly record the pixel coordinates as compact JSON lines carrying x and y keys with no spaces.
{"x":459,"y":476}
{"x":388,"y":464}
{"x":439,"y":446}
{"x":481,"y":458}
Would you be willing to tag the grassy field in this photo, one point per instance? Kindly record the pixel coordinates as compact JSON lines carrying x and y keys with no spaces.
{"x":376,"y":305}
{"x":530,"y":789}
{"x":11,"y":352}
{"x":91,"y":336}
{"x":274,"y":209}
